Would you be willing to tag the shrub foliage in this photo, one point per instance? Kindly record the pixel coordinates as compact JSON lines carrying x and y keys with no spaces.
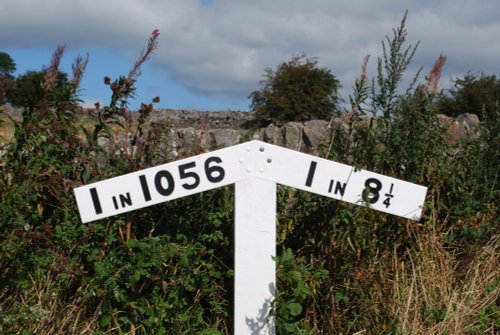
{"x":168,"y":269}
{"x":473,"y":94}
{"x":297,"y":91}
{"x":7,"y":67}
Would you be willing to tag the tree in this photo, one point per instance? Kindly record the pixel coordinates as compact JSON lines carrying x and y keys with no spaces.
{"x":473,"y":94}
{"x":5,"y":82}
{"x":297,"y":91}
{"x":7,"y":66}
{"x":27,"y":90}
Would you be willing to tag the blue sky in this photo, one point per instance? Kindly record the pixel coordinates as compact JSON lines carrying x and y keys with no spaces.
{"x":213,"y":53}
{"x":154,"y":80}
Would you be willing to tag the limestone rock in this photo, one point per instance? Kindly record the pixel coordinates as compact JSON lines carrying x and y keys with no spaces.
{"x":292,"y":134}
{"x":462,"y":126}
{"x":223,"y":138}
{"x":315,"y":132}
{"x":468,"y":122}
{"x":273,"y":134}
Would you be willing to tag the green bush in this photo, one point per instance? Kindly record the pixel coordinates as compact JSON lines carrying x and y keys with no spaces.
{"x":297,"y":91}
{"x":168,"y":269}
{"x":7,"y":67}
{"x":473,"y":94}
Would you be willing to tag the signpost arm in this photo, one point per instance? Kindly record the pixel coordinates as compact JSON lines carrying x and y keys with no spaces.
{"x":255,"y":245}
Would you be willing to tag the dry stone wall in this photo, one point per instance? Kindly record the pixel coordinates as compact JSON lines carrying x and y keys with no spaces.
{"x":199,"y":131}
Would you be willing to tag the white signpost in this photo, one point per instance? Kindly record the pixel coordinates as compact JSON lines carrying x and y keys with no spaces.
{"x":255,"y":168}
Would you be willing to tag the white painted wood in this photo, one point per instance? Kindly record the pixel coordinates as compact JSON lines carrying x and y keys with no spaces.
{"x":189,"y":176}
{"x":255,"y":245}
{"x":240,"y":162}
{"x":337,"y":181}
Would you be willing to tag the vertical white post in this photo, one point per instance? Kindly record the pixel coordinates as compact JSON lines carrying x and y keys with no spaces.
{"x":255,"y":245}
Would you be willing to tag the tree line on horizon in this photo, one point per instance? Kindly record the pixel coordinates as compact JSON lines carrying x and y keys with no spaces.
{"x":297,"y":90}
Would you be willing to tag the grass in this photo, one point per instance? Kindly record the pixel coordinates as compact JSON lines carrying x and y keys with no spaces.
{"x":438,"y":292}
{"x":43,"y":309}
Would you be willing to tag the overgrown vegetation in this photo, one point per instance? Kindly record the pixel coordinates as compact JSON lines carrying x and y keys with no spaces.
{"x":342,"y":269}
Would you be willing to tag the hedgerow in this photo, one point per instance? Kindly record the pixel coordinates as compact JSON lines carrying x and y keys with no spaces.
{"x":168,"y":269}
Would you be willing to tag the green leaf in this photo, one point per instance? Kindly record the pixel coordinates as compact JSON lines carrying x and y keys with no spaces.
{"x":105,"y":320}
{"x":294,"y":308}
{"x":295,"y":277}
{"x":211,"y":331}
{"x":184,"y":261}
{"x":290,"y":327}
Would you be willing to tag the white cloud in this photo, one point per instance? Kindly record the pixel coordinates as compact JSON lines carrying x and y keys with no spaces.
{"x":223,"y":46}
{"x":90,"y":103}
